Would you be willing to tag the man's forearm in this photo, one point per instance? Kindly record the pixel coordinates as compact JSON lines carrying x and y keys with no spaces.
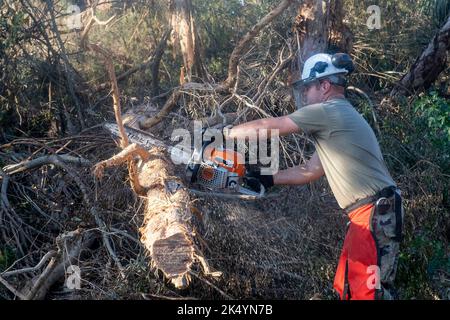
{"x":297,"y":175}
{"x":252,"y":129}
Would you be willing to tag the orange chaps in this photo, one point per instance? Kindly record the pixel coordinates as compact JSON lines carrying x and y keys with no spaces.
{"x":358,"y":255}
{"x":369,"y":258}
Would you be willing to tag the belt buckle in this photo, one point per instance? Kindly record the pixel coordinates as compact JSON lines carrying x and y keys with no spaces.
{"x":382,"y":205}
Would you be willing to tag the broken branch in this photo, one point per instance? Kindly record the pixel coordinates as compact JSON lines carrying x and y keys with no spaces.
{"x":244,"y":43}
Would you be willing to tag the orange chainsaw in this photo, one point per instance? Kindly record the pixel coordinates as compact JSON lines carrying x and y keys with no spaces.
{"x":224,"y":170}
{"x":209,"y":171}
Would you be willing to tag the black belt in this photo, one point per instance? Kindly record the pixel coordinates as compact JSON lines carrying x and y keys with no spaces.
{"x":387,"y":192}
{"x":383,"y":193}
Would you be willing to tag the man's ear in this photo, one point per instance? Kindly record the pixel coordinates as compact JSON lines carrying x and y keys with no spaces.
{"x":325,"y":86}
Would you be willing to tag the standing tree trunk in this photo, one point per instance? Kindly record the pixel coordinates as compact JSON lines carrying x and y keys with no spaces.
{"x":312,"y":29}
{"x":185,"y":35}
{"x":320,"y":28}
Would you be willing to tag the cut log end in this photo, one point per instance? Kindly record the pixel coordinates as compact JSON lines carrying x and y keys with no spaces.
{"x":167,"y":233}
{"x":174,"y":256}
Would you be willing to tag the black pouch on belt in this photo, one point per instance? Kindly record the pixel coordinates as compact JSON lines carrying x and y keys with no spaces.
{"x":398,"y":216}
{"x":392,"y":204}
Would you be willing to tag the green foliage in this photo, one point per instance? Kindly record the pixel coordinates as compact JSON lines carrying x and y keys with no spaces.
{"x":22,"y":68}
{"x":432,"y":113}
{"x":419,"y":131}
{"x":416,"y":145}
{"x":382,"y":55}
{"x":7,"y":257}
{"x":435,"y":111}
{"x":221,"y":24}
{"x":420,"y":259}
{"x":437,"y":9}
{"x":11,"y":28}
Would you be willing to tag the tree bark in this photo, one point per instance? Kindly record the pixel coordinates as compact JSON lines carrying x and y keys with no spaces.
{"x":312,"y":28}
{"x":428,"y":66}
{"x":185,"y":35}
{"x":166,"y":231}
{"x":320,"y":29}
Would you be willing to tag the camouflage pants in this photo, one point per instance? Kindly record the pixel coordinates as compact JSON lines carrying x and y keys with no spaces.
{"x":369,"y":258}
{"x":387,"y":231}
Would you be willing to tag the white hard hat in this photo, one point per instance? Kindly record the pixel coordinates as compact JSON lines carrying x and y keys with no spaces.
{"x":324,"y":65}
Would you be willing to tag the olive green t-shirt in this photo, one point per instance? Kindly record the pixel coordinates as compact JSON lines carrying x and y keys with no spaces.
{"x":347,"y":148}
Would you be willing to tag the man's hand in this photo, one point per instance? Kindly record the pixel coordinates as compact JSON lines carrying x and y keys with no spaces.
{"x":255,"y":178}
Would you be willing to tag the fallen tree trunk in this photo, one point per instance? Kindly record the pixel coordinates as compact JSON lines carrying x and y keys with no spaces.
{"x":167,"y":233}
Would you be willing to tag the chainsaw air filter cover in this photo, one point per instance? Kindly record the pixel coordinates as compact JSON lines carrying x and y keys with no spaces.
{"x":218,"y":169}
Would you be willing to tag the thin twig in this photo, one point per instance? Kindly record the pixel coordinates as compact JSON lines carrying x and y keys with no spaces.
{"x":30,"y":164}
{"x":226,"y":296}
{"x":47,"y":256}
{"x":12,"y":289}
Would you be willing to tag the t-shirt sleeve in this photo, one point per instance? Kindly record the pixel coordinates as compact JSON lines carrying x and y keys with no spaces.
{"x":311,"y":119}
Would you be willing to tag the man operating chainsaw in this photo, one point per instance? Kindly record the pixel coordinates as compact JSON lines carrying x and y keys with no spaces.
{"x":348,"y":153}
